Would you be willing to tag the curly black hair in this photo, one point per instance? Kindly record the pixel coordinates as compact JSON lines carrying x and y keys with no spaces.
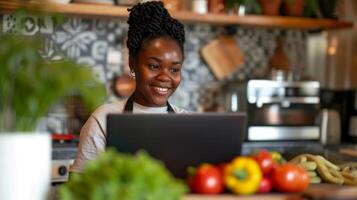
{"x":151,"y":20}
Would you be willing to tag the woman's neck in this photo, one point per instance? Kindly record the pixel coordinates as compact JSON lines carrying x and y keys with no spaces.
{"x":143,"y":101}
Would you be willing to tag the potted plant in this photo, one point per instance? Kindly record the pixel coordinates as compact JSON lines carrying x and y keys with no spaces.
{"x":293,"y":7}
{"x":270,"y":7}
{"x":312,"y":9}
{"x":29,"y":86}
{"x":243,"y":7}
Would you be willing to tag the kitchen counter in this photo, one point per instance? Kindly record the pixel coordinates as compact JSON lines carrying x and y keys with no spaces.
{"x":291,"y":149}
{"x":314,"y":192}
{"x":250,"y":197}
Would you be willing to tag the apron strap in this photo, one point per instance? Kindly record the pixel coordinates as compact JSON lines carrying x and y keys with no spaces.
{"x":129,"y":106}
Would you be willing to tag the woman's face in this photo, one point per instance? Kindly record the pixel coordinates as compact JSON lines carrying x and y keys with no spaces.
{"x":157,"y":71}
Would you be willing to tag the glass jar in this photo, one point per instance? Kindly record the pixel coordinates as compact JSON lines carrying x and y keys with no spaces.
{"x":199,"y":6}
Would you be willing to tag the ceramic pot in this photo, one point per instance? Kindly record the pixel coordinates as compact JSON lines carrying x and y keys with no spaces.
{"x":270,"y":7}
{"x":25,"y":163}
{"x":294,"y":7}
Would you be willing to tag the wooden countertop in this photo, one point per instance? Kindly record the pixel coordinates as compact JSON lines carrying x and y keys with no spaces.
{"x":319,"y":191}
{"x":314,"y":192}
{"x":250,"y":197}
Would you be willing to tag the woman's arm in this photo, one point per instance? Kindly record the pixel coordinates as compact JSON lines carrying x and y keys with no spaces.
{"x":92,"y":141}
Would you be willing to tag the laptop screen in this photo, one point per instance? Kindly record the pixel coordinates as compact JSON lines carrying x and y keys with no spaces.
{"x":179,"y":140}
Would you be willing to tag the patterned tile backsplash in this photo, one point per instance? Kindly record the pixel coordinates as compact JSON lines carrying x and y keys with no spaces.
{"x":89,"y":40}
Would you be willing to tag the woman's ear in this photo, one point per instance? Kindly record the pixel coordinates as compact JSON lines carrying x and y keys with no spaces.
{"x":131,"y":63}
{"x":132,"y":67}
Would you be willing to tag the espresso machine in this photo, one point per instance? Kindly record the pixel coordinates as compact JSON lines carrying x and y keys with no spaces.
{"x":283,"y":110}
{"x":345,"y":103}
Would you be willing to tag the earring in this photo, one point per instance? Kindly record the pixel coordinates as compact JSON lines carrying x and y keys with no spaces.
{"x":132,"y":73}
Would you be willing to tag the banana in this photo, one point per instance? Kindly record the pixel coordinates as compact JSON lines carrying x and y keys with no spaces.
{"x":324,"y":172}
{"x":308,"y":165}
{"x":348,"y":180}
{"x":348,"y":175}
{"x":315,"y":179}
{"x":303,"y":159}
{"x":349,"y":164}
{"x":298,"y":159}
{"x":312,"y":174}
{"x":328,"y":163}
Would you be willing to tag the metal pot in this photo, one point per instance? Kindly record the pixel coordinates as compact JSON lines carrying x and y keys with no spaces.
{"x":235,"y":97}
{"x":330,"y":127}
{"x":295,"y":115}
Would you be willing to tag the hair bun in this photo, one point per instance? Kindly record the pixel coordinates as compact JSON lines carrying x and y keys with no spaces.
{"x":150,"y":20}
{"x":148,"y":12}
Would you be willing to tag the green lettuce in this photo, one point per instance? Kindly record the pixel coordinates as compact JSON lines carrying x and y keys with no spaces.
{"x":117,"y":176}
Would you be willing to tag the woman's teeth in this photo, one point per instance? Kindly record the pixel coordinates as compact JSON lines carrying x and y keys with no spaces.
{"x":161,"y":90}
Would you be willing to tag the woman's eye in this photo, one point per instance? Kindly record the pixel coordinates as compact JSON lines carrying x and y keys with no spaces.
{"x":175,"y":70}
{"x":153,"y":67}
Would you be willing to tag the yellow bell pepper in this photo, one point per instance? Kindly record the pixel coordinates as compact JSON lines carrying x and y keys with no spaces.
{"x":242,"y":175}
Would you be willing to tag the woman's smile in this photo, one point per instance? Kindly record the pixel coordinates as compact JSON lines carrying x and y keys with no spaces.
{"x":160,"y":90}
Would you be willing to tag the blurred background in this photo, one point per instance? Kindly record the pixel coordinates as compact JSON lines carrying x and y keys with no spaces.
{"x":307,"y":57}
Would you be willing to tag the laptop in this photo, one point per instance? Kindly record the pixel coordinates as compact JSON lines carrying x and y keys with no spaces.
{"x":179,"y":140}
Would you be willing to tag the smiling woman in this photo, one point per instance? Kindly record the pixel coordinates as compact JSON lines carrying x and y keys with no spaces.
{"x":157,"y":71}
{"x":155,"y":43}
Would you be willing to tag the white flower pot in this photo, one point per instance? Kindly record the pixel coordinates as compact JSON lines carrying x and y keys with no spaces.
{"x":25,"y":161}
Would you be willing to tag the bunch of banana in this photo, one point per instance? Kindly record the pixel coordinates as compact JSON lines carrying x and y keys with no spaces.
{"x":349,"y":172}
{"x":310,"y":167}
{"x":321,"y":169}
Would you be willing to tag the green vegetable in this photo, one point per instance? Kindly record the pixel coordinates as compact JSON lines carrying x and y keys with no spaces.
{"x":114,"y":176}
{"x":250,"y":6}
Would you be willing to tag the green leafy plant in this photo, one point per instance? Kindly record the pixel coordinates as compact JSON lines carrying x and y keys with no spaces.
{"x":31,"y":84}
{"x":251,"y":6}
{"x":312,"y":9}
{"x":113,"y":176}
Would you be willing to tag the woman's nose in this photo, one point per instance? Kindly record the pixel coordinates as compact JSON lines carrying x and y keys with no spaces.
{"x":164,"y":75}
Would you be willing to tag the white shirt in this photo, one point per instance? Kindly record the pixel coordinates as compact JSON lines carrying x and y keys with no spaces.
{"x":93,"y":134}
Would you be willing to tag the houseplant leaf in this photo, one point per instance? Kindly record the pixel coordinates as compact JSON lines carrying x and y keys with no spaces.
{"x":30,"y":84}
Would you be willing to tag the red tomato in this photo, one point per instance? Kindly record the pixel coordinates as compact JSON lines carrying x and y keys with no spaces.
{"x":265,"y":161}
{"x":290,"y":178}
{"x":265,"y":185}
{"x":207,"y":180}
{"x":221,"y":168}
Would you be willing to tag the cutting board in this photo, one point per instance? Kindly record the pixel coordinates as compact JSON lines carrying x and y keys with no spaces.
{"x":314,"y":192}
{"x":222,"y":55}
{"x":349,"y":151}
{"x":331,"y":192}
{"x":244,"y":197}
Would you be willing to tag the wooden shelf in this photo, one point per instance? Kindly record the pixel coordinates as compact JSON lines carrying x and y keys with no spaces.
{"x":188,"y":17}
{"x":264,"y":21}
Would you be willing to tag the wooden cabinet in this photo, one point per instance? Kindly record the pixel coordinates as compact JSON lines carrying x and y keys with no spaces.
{"x":188,"y":17}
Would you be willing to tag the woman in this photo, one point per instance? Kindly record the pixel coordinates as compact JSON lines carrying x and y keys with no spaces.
{"x":155,"y":43}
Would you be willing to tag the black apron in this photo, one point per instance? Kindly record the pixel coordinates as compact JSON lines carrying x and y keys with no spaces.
{"x":129,"y":106}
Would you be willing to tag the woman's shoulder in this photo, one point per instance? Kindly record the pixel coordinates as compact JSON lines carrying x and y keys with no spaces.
{"x":179,"y":110}
{"x":110,"y":108}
